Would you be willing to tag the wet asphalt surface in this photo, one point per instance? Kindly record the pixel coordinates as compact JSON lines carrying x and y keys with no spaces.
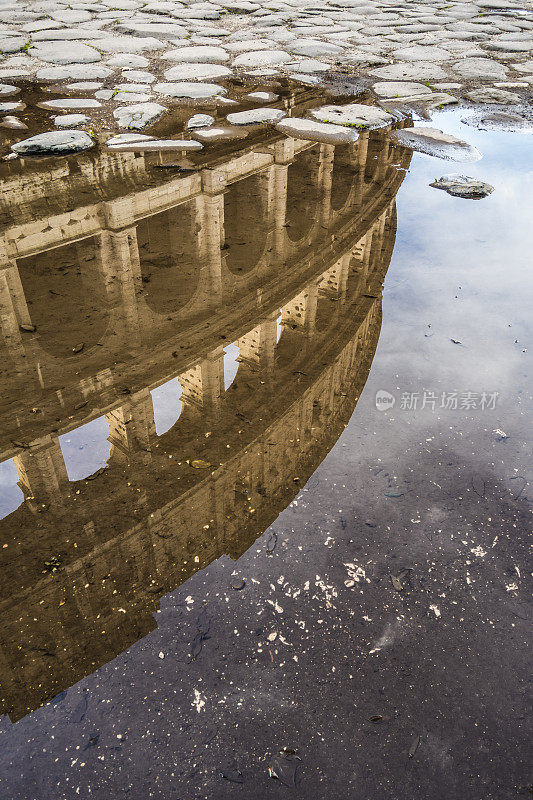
{"x":382,"y":628}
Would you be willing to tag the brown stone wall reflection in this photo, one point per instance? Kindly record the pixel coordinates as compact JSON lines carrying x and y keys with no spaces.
{"x":300,"y":295}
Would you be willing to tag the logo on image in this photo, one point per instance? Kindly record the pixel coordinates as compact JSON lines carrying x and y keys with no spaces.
{"x":384,"y":400}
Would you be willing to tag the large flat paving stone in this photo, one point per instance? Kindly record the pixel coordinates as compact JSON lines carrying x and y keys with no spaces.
{"x":480,"y":68}
{"x":262,"y":58}
{"x":74,"y":72}
{"x":353,"y":115}
{"x":68,"y":103}
{"x":421,"y":71}
{"x":138,"y":115}
{"x":54,"y":143}
{"x":399,"y":89}
{"x":65,"y":53}
{"x":197,"y":72}
{"x":194,"y":91}
{"x":129,"y":44}
{"x":256,"y":115}
{"x":312,"y":131}
{"x":204,"y":54}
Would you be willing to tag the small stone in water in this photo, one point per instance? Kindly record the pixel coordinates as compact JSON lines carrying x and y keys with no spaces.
{"x":200,"y":121}
{"x":256,"y":115}
{"x":463,"y":186}
{"x":70,"y":120}
{"x":14,"y":123}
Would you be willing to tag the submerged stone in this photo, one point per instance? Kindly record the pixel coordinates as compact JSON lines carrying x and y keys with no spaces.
{"x":54,"y":143}
{"x":6,"y":89}
{"x":256,"y":115}
{"x":14,"y":123}
{"x":156,"y":145}
{"x":221,"y":133}
{"x":138,"y":115}
{"x":7,"y":107}
{"x":262,"y":97}
{"x":463,"y":186}
{"x":200,"y":121}
{"x":434,"y":142}
{"x":70,"y":102}
{"x":121,"y":138}
{"x":499,"y":121}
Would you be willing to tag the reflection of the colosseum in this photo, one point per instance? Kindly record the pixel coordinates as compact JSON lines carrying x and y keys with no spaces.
{"x":155,"y":284}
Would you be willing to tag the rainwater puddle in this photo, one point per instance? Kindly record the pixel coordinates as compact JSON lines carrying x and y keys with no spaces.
{"x":266,"y":470}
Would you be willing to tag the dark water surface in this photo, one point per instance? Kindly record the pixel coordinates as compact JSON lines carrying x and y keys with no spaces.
{"x":252,"y":499}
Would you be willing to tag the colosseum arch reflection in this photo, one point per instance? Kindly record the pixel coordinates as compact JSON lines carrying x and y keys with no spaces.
{"x":245,"y":209}
{"x":344,"y":175}
{"x":66,"y":296}
{"x":303,"y":192}
{"x":377,"y":156}
{"x":168,"y":257}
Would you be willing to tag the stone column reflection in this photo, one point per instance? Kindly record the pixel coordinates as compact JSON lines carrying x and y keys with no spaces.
{"x":42,"y":471}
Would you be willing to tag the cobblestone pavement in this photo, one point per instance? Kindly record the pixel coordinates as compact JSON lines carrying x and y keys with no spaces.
{"x":130,"y":51}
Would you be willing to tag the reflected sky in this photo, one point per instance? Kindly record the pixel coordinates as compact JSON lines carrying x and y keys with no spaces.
{"x":167,"y":405}
{"x":11,"y":495}
{"x":231,"y":365}
{"x":462,"y":270}
{"x":86,"y":449}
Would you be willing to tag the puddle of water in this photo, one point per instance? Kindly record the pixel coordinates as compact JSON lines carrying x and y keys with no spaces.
{"x":216,"y":592}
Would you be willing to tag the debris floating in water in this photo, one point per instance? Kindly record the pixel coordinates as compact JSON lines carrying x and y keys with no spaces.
{"x":283,"y":767}
{"x":233,"y":775}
